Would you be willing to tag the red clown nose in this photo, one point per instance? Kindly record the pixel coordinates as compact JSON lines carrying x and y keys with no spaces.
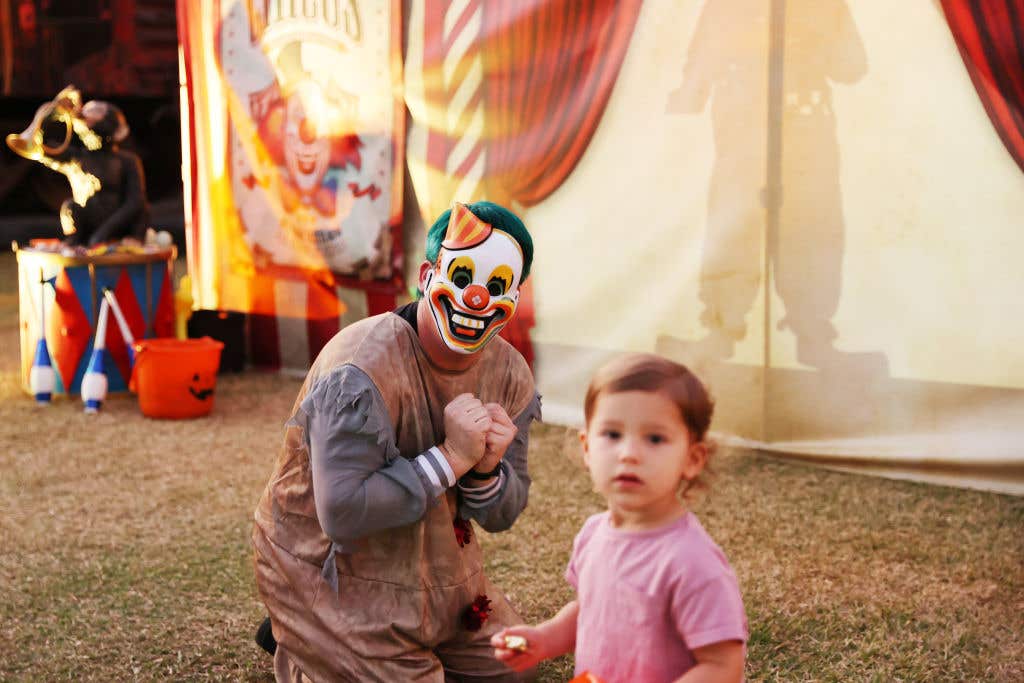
{"x":476,"y":297}
{"x":307,"y":131}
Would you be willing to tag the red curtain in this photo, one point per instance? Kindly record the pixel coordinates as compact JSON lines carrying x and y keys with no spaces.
{"x":550,"y":67}
{"x":990,"y":35}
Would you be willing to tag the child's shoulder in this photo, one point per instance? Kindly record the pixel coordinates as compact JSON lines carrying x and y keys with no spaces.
{"x":696,"y":554}
{"x":590,"y":526}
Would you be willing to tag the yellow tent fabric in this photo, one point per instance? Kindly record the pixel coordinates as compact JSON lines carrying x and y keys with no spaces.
{"x":805,"y":201}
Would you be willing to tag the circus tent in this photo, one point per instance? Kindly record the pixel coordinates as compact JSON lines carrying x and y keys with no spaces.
{"x":816,"y":204}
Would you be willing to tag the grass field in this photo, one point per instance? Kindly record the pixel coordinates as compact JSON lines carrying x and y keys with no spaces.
{"x":124,"y":551}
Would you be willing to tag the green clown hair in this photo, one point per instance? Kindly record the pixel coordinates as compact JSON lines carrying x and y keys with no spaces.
{"x":499,"y":217}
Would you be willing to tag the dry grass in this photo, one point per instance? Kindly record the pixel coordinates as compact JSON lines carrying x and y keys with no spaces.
{"x":124,"y":551}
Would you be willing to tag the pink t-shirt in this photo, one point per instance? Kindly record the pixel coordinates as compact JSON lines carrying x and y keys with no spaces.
{"x":648,"y":598}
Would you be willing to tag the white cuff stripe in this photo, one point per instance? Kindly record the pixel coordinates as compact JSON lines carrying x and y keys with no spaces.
{"x":424,"y":462}
{"x":482,"y":491}
{"x":449,"y":473}
{"x":478,"y":497}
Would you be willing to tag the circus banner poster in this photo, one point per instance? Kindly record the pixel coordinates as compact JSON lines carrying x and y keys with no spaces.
{"x":295,"y":137}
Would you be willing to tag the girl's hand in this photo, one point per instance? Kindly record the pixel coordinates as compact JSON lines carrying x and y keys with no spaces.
{"x":518,"y":659}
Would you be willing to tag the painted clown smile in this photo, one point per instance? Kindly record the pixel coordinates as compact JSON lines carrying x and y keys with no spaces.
{"x":472,"y":288}
{"x":466,"y":326}
{"x":307,"y":161}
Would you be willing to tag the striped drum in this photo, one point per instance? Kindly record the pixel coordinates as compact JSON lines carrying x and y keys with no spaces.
{"x":61,"y":294}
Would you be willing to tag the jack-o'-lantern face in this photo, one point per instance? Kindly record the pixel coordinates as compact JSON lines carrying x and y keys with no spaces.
{"x":198,"y":390}
{"x":473,"y":290}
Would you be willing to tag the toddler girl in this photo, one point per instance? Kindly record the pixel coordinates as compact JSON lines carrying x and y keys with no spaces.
{"x":657,"y":600}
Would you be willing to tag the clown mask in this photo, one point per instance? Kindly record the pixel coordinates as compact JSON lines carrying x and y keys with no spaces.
{"x":473,"y":289}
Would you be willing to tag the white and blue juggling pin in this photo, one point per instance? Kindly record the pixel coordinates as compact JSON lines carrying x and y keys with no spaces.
{"x":42,"y":380}
{"x":122,"y":324}
{"x":94,"y":383}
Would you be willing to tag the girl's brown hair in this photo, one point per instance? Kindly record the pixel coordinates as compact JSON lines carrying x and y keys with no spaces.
{"x":653,"y":373}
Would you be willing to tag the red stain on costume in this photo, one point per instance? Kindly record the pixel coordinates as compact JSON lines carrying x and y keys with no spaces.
{"x":477,"y":613}
{"x":463,"y":531}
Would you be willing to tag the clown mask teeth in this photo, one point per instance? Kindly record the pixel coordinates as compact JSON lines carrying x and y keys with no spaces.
{"x":466,"y":322}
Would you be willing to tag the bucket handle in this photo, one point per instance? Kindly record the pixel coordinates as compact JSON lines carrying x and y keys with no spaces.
{"x":136,"y":352}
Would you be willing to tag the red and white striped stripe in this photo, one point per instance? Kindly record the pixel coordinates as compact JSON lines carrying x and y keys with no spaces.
{"x":463,"y":76}
{"x":444,"y":78}
{"x":291,"y":342}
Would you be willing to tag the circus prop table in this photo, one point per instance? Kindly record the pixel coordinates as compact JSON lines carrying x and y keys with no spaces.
{"x":141,"y":283}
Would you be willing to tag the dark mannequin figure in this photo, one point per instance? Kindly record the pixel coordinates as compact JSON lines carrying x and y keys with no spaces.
{"x":107,"y":183}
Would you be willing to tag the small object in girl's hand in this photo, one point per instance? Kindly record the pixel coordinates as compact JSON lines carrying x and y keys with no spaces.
{"x":517,"y":643}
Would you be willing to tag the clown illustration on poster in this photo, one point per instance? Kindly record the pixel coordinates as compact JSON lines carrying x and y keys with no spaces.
{"x":311,"y":158}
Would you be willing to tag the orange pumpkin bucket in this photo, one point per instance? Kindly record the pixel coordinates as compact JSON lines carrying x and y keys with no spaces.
{"x":175,"y":378}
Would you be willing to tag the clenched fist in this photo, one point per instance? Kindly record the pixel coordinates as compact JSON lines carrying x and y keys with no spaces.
{"x":466,"y":423}
{"x":499,"y":436}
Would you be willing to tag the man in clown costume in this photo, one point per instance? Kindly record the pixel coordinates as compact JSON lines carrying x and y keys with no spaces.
{"x":408,"y":425}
